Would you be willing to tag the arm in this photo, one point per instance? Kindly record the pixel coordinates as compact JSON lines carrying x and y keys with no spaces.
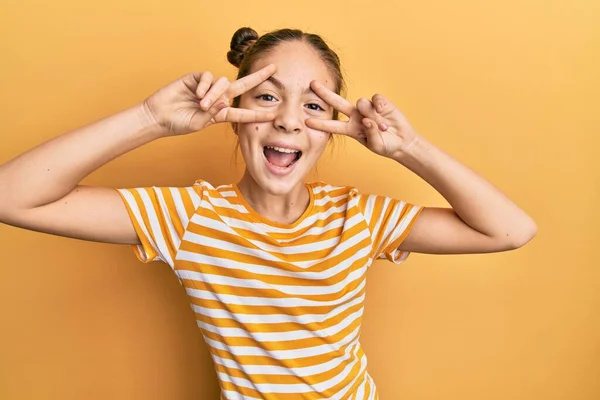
{"x":39,"y":189}
{"x":481,"y":220}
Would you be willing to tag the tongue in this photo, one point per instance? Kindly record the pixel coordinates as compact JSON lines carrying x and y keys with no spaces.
{"x":280,"y":159}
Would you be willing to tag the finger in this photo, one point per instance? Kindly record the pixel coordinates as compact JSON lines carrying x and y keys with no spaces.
{"x":246,"y":83}
{"x":331,"y":98}
{"x":206,"y":80}
{"x":387,"y":109}
{"x":201,"y":119}
{"x":328,"y":125}
{"x":373,"y":135}
{"x":191,"y":80}
{"x":366,"y":108}
{"x":241,"y":115}
{"x":382,"y":105}
{"x":216,"y":90}
{"x":217,"y":107}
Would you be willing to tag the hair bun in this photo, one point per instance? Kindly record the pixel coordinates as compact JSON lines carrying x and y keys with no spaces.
{"x":241,"y":41}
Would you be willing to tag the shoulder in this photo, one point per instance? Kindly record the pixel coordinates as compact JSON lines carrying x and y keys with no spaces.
{"x":328,"y":194}
{"x":209,"y":191}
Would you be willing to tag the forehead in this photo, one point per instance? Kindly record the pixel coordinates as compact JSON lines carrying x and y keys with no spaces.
{"x":297,"y":65}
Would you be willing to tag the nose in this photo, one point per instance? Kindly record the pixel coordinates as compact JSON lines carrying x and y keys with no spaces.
{"x":288,"y":119}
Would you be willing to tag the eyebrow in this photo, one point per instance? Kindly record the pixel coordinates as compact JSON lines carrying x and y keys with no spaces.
{"x":277,"y":83}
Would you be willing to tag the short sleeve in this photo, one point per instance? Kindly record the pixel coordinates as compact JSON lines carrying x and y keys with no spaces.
{"x":160,"y":216}
{"x":389,"y":221}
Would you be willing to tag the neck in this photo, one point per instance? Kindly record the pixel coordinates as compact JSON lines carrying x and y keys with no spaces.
{"x":284,"y":209}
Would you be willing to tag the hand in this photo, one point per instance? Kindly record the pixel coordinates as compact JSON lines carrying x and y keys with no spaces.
{"x":377,"y":124}
{"x":197,"y":100}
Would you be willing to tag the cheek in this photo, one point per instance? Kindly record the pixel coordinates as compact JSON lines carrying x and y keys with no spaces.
{"x":251,"y":133}
{"x":319,"y":140}
{"x":248,"y":130}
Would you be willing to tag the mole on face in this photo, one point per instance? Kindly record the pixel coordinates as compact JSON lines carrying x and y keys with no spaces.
{"x":256,"y":128}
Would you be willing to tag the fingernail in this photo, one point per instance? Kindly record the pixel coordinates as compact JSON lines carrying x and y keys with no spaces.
{"x":383,"y":127}
{"x":368,"y":124}
{"x":205,"y":103}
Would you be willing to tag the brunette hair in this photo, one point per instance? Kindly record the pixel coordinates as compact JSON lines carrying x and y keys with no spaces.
{"x":247,"y":47}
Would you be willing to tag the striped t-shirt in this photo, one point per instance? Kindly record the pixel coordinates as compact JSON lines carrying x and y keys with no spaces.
{"x":280,"y":306}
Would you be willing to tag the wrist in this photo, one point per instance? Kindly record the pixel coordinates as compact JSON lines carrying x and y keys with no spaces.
{"x":149,"y":123}
{"x":414,"y":153}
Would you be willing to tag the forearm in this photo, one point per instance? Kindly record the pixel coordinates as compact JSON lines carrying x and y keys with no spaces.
{"x":51,"y":170}
{"x":475,"y":200}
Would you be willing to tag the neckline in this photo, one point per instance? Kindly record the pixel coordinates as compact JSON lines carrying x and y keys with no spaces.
{"x":259,"y":218}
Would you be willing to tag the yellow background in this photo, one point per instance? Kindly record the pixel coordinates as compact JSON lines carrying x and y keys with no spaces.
{"x":511,"y":88}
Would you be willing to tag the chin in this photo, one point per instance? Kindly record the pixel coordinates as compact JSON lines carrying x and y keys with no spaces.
{"x":276,"y":180}
{"x":277,"y":187}
{"x":279,"y":182}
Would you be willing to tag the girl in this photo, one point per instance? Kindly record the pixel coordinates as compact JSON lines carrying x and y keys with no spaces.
{"x":275,"y":267}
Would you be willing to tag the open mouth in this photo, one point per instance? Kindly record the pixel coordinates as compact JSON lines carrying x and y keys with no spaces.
{"x":281,"y":157}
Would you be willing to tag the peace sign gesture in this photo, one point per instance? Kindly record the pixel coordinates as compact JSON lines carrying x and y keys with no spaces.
{"x":198,"y":100}
{"x":377,"y":123}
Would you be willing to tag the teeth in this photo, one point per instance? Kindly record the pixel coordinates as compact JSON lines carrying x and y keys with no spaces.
{"x":282,"y":150}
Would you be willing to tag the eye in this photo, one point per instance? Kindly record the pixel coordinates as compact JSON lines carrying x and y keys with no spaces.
{"x":315,"y":107}
{"x":266,"y":97}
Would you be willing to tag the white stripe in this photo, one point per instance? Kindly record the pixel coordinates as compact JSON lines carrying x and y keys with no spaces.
{"x":264,"y":228}
{"x":194,"y":196}
{"x":273,"y":271}
{"x":266,"y":249}
{"x":296,"y":371}
{"x":375,"y":233}
{"x":284,"y":336}
{"x":292,"y":388}
{"x":369,"y":207}
{"x":214,"y":279}
{"x":230,"y":193}
{"x":274,"y":302}
{"x":317,"y":245}
{"x":207,"y":241}
{"x":224,"y":203}
{"x":258,"y":226}
{"x":179,"y":206}
{"x":229,"y":223}
{"x":345,"y":245}
{"x":320,"y":230}
{"x":398,"y":256}
{"x":373,"y":388}
{"x":390,"y":225}
{"x":325,"y":188}
{"x":309,"y":221}
{"x":277,"y":318}
{"x":363,"y":366}
{"x":138,"y":216}
{"x":155,"y":223}
{"x":239,"y":351}
{"x":410,"y":215}
{"x":327,"y":199}
{"x":168,"y":218}
{"x":360,"y":393}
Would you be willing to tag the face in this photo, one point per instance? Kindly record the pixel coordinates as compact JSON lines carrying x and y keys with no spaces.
{"x":279,"y":154}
